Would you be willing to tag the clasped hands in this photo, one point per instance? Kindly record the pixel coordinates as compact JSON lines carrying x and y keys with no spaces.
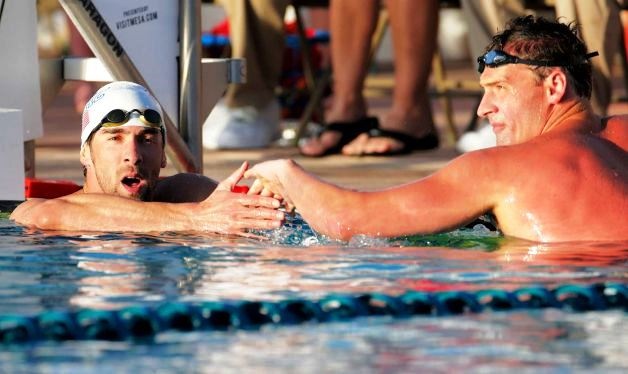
{"x":270,"y":181}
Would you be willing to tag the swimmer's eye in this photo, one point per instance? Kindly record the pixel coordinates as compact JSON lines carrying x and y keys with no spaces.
{"x":149,"y":139}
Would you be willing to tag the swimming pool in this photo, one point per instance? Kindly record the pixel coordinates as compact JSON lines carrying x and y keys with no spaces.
{"x":70,"y":271}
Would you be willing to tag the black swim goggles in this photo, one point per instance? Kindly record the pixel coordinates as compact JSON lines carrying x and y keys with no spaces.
{"x":118,"y":117}
{"x":497,"y":58}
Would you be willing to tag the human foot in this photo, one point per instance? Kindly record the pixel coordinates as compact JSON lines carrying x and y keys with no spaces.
{"x":402,"y":132}
{"x":336,"y":135}
{"x":380,"y":142}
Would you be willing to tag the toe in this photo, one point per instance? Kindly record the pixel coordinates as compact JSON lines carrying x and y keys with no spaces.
{"x":318,"y":146}
{"x":357,"y":146}
{"x":383,"y":145}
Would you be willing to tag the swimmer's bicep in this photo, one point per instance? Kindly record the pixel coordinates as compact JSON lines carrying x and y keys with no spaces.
{"x":472,"y":180}
{"x":461,"y":190}
{"x":429,"y":205}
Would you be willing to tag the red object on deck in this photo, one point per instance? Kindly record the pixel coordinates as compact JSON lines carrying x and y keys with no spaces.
{"x":48,"y":189}
{"x":240,"y":189}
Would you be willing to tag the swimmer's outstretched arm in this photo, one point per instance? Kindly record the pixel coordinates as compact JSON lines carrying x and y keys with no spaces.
{"x":445,"y":200}
{"x":221,"y":212}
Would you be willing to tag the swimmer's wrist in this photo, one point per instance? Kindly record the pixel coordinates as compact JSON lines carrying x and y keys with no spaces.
{"x":186,"y":214}
{"x":287,"y":172}
{"x":289,"y":169}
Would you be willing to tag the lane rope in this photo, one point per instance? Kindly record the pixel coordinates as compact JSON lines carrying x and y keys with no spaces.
{"x":143,"y":322}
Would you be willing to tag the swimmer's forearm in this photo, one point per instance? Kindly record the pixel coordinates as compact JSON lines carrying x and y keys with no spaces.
{"x":421,"y":207}
{"x":329,"y":209}
{"x":96,"y":212}
{"x":223,"y":212}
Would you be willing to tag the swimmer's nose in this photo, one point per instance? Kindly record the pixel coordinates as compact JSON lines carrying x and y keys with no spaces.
{"x":486,"y":107}
{"x":132,"y":152}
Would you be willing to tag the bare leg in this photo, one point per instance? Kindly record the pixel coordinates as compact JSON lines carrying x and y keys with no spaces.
{"x":248,"y":115}
{"x":352,"y":24}
{"x":257,"y":36}
{"x":414,"y":26}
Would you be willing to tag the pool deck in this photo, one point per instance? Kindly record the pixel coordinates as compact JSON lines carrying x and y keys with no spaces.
{"x":56,"y":154}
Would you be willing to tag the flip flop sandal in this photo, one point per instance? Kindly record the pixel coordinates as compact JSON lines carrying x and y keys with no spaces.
{"x":410,"y":143}
{"x":348,"y":131}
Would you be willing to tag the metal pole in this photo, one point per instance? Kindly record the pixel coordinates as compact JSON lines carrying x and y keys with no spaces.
{"x":105,"y":45}
{"x":190,"y":125}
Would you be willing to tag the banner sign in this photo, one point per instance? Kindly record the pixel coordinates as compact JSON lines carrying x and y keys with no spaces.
{"x":148,"y":32}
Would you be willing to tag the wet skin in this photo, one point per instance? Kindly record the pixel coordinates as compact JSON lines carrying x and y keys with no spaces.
{"x":126,"y":161}
{"x":122,"y":169}
{"x":559,"y":173}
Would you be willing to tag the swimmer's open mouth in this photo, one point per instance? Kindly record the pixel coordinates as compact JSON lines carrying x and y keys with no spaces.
{"x":131,"y":181}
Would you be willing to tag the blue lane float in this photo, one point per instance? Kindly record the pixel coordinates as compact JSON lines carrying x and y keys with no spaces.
{"x":143,"y":323}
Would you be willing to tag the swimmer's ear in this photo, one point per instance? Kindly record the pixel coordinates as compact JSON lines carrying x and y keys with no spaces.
{"x":555,"y":86}
{"x":164,"y":160}
{"x":85,"y":156}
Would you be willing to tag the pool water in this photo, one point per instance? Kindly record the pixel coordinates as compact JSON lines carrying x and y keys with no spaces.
{"x":69,"y":271}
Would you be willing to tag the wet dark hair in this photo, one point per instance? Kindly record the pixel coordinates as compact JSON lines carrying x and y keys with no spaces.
{"x":536,"y":38}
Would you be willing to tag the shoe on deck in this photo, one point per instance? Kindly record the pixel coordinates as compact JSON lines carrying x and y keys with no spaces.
{"x":482,"y":138}
{"x":243,"y":127}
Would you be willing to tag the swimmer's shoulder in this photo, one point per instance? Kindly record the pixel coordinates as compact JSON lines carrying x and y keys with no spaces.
{"x":499,"y":156}
{"x":615,"y":129}
{"x":615,"y":123}
{"x":184,"y":188}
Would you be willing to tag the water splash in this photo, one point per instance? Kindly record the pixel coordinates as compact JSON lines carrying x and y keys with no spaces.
{"x":297,"y":232}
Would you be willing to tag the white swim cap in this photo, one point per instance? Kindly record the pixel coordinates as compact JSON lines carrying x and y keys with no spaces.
{"x":132,"y":98}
